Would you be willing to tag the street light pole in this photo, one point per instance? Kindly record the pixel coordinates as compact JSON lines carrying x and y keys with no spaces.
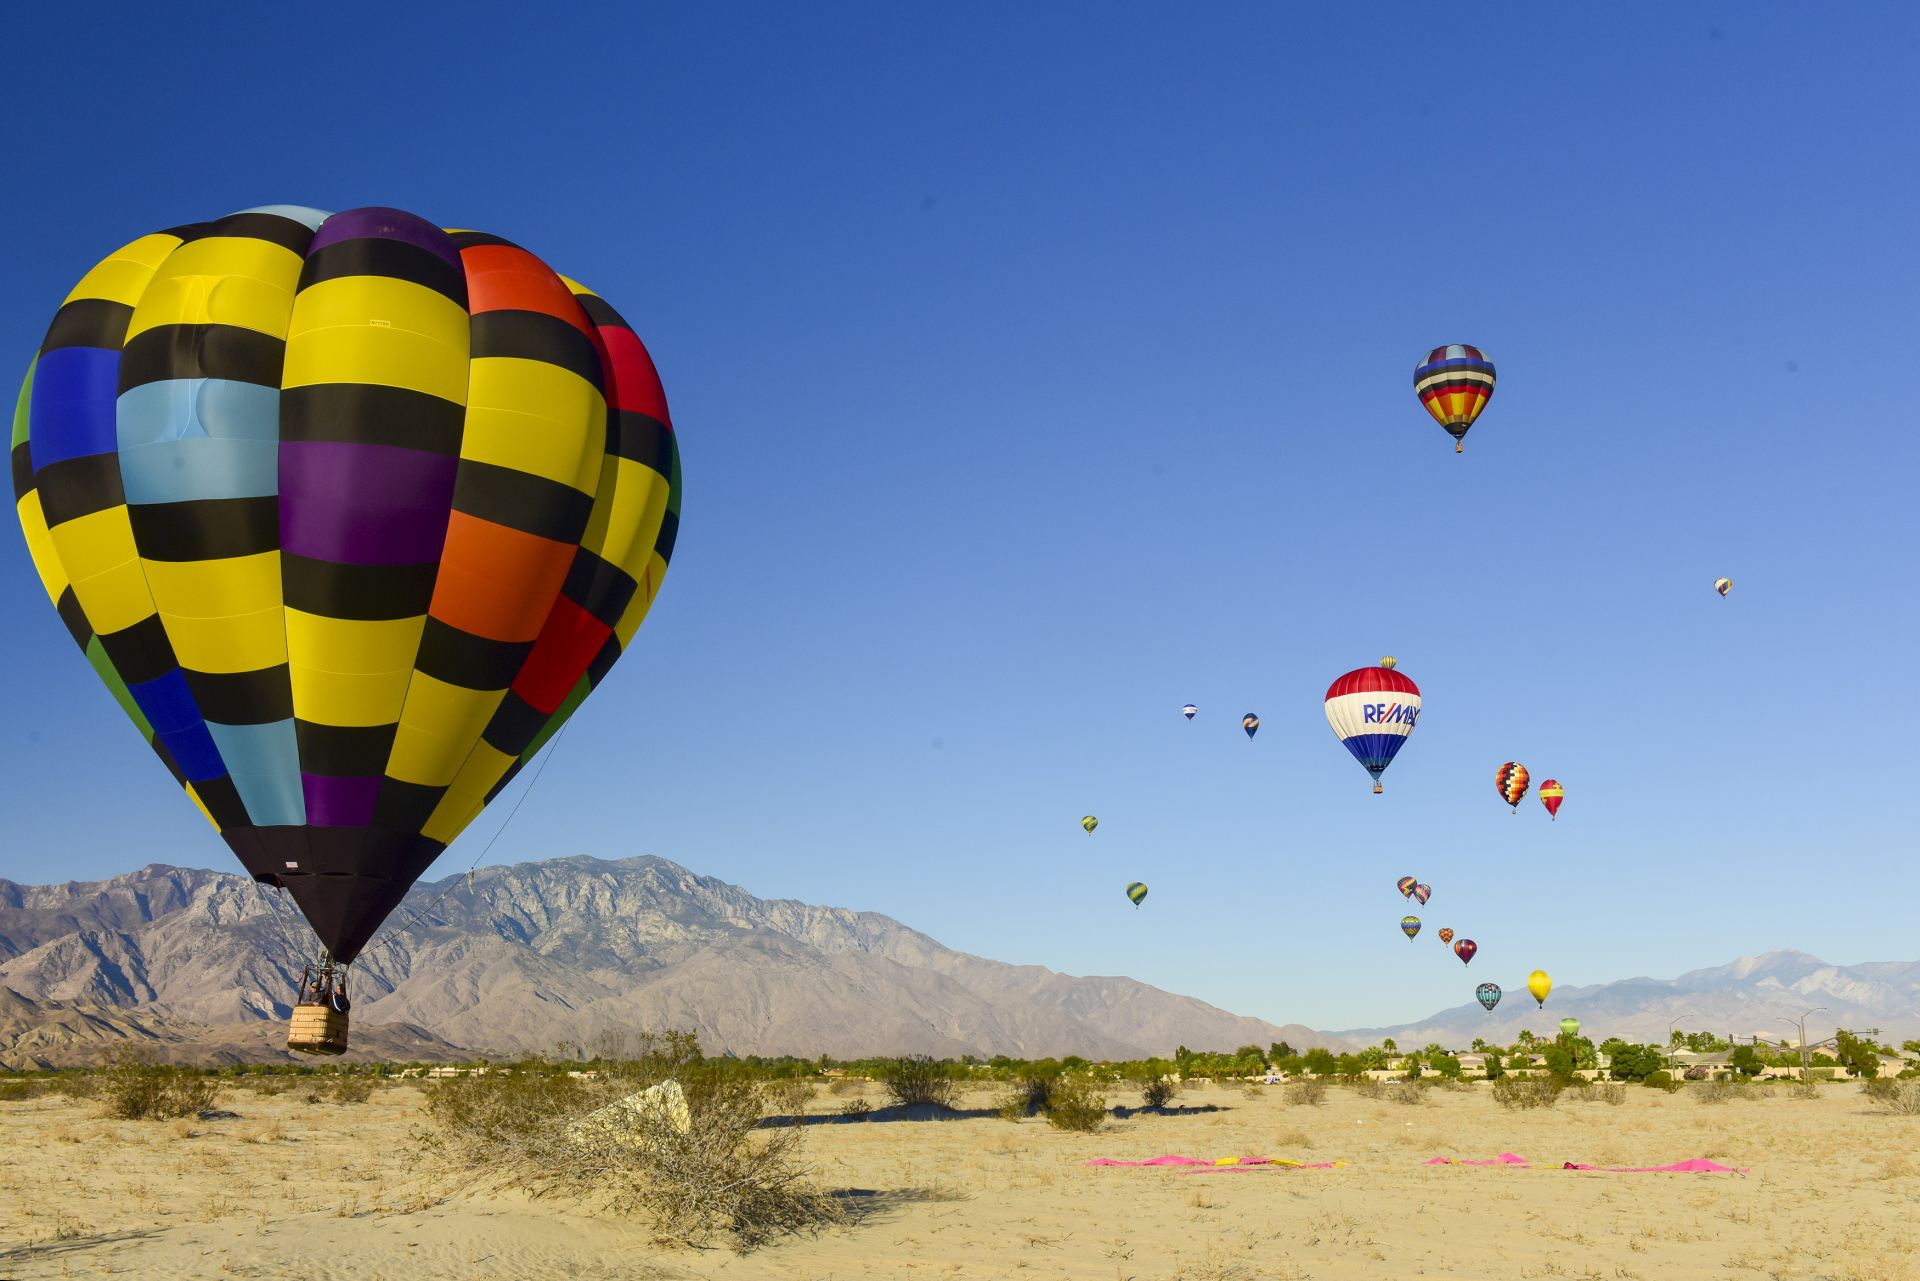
{"x":1806,"y":1062}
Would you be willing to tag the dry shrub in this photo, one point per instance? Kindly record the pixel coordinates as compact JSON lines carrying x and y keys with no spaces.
{"x":723,"y":1175}
{"x":1902,"y":1098}
{"x":1028,"y":1096}
{"x":15,"y":1089}
{"x":1600,"y":1092}
{"x":1368,"y":1088}
{"x":1157,"y":1094}
{"x":1294,"y":1139}
{"x":1308,"y":1091}
{"x":918,"y":1078}
{"x":135,"y":1087}
{"x":1075,"y":1103}
{"x":1727,"y":1091}
{"x":1408,"y":1093}
{"x":262,"y":1132}
{"x":841,"y":1086}
{"x":790,"y":1095}
{"x":1528,"y":1091}
{"x":856,"y":1109}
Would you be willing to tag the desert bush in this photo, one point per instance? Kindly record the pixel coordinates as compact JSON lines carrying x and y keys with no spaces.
{"x":856,"y":1109}
{"x":1900,"y":1097}
{"x":135,"y":1087}
{"x":1600,"y":1093}
{"x":1368,"y":1088}
{"x":790,"y":1094}
{"x":918,"y":1078}
{"x":1662,"y":1080}
{"x":1031,"y":1094}
{"x":1075,"y":1103}
{"x":1306,"y":1092}
{"x":1159,"y":1092}
{"x":723,"y":1174}
{"x":1529,"y":1091}
{"x":1406,"y":1092}
{"x":14,"y":1089}
{"x":1727,"y":1091}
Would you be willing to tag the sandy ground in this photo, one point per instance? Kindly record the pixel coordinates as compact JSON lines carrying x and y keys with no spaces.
{"x":324,"y":1191}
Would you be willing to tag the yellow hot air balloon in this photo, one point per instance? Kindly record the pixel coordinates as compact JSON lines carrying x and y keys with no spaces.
{"x":1539,"y":985}
{"x":1723,"y":585}
{"x":1089,"y":822}
{"x":1389,"y":662}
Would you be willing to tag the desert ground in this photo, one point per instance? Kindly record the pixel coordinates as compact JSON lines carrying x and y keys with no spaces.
{"x":319,"y":1191}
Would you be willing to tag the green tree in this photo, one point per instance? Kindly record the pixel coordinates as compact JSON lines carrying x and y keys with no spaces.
{"x":1321,"y":1062}
{"x":1745,"y":1060}
{"x":1389,"y":1046}
{"x":1559,"y":1059}
{"x":1446,"y":1065}
{"x":1279,"y":1050}
{"x":1857,"y":1054}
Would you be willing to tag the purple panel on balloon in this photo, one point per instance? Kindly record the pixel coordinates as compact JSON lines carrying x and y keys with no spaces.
{"x":388,"y":224}
{"x":339,"y":802}
{"x":364,"y":504}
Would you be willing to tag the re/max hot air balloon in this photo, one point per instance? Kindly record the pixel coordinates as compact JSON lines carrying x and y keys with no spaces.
{"x":1372,"y":711}
{"x":1405,"y":885}
{"x":1250,"y":723}
{"x":1465,"y":949}
{"x":1089,"y":822}
{"x":1454,"y":383}
{"x":1421,"y":893}
{"x":1488,"y":994}
{"x":1551,"y":794}
{"x":349,"y":513}
{"x":1410,"y":925}
{"x":1137,"y":892}
{"x":1723,"y":585}
{"x":1188,"y":711}
{"x":1539,"y":985}
{"x":1569,"y":1027}
{"x":1446,"y":936}
{"x":1510,"y":780}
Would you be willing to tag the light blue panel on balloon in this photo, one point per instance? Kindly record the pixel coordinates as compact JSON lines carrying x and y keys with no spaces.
{"x":264,"y":761}
{"x":183,"y":439}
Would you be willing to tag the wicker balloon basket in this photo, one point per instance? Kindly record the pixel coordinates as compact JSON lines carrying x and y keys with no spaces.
{"x":317,"y":1028}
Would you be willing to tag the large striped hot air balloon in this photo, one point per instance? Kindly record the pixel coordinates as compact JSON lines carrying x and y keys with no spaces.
{"x":349,"y":513}
{"x":1372,"y":710}
{"x":1454,"y":383}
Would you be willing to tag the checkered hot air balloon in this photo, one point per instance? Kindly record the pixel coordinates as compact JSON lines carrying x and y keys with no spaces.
{"x":1409,"y":925}
{"x":1510,"y":780}
{"x":1446,"y":936}
{"x":1454,"y":383}
{"x":349,"y":513}
{"x":1372,"y":711}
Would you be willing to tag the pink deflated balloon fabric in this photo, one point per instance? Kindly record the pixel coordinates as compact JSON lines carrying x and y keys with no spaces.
{"x":1229,"y":1162}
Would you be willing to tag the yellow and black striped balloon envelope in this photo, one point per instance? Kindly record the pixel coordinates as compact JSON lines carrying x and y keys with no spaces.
{"x":1137,"y":892}
{"x":349,"y":513}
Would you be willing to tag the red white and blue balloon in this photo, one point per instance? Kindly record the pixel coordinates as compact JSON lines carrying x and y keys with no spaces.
{"x":1372,"y":711}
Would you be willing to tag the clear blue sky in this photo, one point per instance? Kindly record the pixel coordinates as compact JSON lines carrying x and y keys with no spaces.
{"x":1039,"y":369}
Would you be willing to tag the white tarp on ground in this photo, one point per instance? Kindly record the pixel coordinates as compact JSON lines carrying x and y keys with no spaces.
{"x":664,"y":1102}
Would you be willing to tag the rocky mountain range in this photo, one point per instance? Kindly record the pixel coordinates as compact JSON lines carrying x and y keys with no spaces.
{"x":1761,"y":996}
{"x":516,"y":959}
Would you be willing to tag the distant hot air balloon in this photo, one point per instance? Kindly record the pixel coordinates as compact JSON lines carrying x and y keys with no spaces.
{"x":1465,"y":949}
{"x":1510,"y":780}
{"x":1723,"y":585}
{"x":1389,"y":662}
{"x":1489,"y":994}
{"x":1372,"y":710}
{"x":1410,"y":925}
{"x":1446,"y":936}
{"x":1422,"y":893}
{"x":1250,"y":723}
{"x":1188,"y":711}
{"x":1454,"y":383}
{"x":1089,"y":822}
{"x":1539,"y":985}
{"x":1405,"y":885}
{"x":1569,"y":1026}
{"x":349,"y":513}
{"x":1137,"y":892}
{"x":1551,"y":794}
